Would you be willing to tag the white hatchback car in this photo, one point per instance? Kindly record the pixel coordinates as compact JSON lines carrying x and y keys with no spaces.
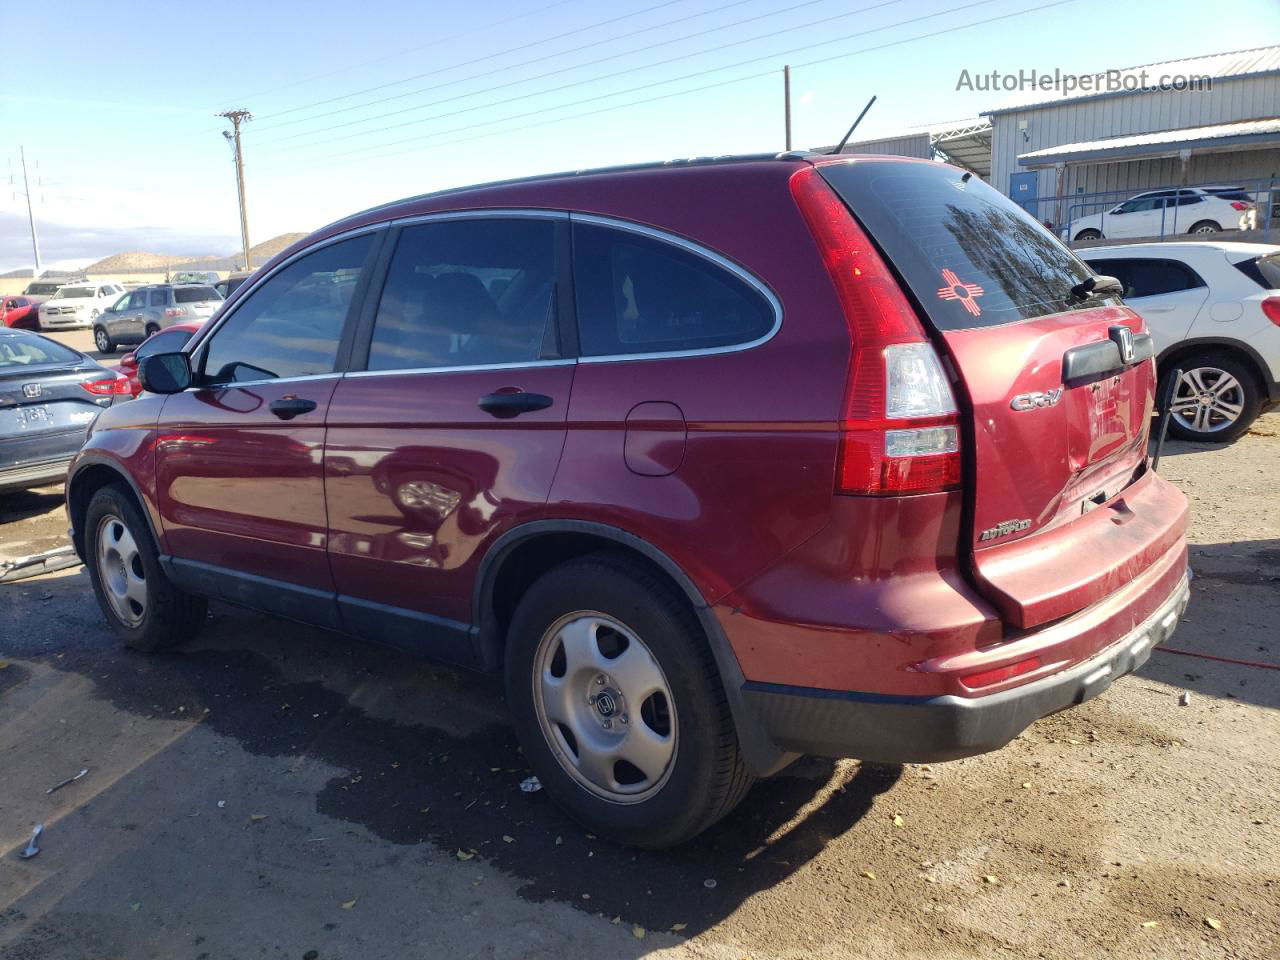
{"x":1213,"y":309}
{"x":1163,"y":213}
{"x":77,"y":305}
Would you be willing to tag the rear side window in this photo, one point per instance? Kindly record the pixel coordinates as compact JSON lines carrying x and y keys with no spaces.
{"x":19,"y":352}
{"x":1264,"y":271}
{"x":639,"y":294}
{"x":291,"y":325}
{"x":194,"y":294}
{"x":1148,"y":277}
{"x":971,"y":256}
{"x":468,"y":293}
{"x":159,"y":298}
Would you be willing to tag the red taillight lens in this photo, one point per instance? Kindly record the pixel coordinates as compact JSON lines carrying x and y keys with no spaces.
{"x":900,"y":432}
{"x":1237,"y":205}
{"x":1271,"y":307}
{"x":173,"y":312}
{"x":987,"y":677}
{"x":114,"y":387}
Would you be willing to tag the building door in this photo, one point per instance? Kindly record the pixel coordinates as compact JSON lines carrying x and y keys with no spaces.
{"x":1022,"y":191}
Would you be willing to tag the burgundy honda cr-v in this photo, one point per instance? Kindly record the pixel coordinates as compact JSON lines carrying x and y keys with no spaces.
{"x":720,"y":462}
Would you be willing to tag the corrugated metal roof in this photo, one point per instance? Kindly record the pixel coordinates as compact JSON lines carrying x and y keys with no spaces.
{"x":1170,"y":138}
{"x":1219,"y":66}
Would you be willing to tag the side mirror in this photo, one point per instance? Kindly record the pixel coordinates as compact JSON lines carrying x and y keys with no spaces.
{"x":165,"y":373}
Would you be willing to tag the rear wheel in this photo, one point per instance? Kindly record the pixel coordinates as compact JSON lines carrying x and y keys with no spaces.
{"x":136,"y":597}
{"x":618,"y":704}
{"x":102,"y":340}
{"x":151,"y":330}
{"x":1216,"y":399}
{"x":1205,"y":226}
{"x":1089,"y":235}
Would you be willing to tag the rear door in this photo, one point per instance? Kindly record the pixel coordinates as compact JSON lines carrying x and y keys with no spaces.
{"x":1059,"y":387}
{"x":239,"y":456}
{"x":44,"y":407}
{"x":452,"y":433}
{"x":1167,"y":293}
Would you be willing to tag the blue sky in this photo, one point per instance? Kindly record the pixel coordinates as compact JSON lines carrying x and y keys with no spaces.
{"x":123,"y":138}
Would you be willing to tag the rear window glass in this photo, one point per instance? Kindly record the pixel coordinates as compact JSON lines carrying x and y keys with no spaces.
{"x":1264,"y":271}
{"x":69,"y":292}
{"x":195,"y":294}
{"x":42,"y":289}
{"x":638,"y":294}
{"x":16,"y":352}
{"x":971,"y":256}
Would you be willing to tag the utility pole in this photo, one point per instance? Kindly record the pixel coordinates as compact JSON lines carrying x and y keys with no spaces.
{"x":31,"y":219}
{"x":786,"y":100}
{"x":237,"y":117}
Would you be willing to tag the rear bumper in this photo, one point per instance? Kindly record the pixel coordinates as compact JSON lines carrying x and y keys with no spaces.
{"x":34,"y":474}
{"x":906,"y":729}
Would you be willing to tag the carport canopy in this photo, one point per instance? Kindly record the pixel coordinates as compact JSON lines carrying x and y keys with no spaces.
{"x":1217,"y":138}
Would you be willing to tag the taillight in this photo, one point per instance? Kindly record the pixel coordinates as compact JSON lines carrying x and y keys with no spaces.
{"x":1237,"y":205}
{"x":899,"y":426}
{"x":1271,"y":307}
{"x":113,"y":387}
{"x":172,"y":312}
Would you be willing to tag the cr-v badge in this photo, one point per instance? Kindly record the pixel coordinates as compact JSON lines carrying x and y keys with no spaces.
{"x":1029,"y":401}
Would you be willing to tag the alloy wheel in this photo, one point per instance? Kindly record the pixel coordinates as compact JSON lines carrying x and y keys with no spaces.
{"x":124,"y":580}
{"x":100,"y":341}
{"x":1207,"y":400}
{"x":605,"y":707}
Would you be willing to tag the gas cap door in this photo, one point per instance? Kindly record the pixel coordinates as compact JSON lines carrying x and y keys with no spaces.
{"x":655,"y":439}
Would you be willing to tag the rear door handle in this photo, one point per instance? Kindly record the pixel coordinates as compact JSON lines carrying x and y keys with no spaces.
{"x":506,"y":405}
{"x":288,"y":407}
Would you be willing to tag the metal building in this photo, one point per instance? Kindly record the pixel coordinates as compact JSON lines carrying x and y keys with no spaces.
{"x":1211,"y":119}
{"x":966,"y":143}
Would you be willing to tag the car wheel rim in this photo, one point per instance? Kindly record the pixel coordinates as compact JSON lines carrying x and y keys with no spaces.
{"x":605,"y":707}
{"x":1207,"y":400}
{"x":124,"y":581}
{"x":1206,"y":229}
{"x":102,"y":340}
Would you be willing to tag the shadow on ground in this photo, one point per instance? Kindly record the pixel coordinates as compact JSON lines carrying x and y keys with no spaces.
{"x":281,"y":689}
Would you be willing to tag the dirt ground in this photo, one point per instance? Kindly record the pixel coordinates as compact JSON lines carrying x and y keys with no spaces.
{"x":275,"y":791}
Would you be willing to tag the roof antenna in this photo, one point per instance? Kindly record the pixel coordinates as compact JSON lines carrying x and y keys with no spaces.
{"x":840,"y":146}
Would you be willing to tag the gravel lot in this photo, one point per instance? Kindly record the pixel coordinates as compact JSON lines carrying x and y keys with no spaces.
{"x":275,"y":791}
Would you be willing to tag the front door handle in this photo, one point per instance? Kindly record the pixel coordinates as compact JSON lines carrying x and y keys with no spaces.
{"x":506,"y":405}
{"x":289,"y":406}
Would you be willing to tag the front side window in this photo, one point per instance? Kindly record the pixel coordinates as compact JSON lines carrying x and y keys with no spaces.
{"x":291,"y":325}
{"x":639,"y":294}
{"x":137,"y":300}
{"x":468,"y":293}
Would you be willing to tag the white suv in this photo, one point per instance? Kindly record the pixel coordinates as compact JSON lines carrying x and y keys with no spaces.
{"x":1161,"y":213}
{"x":1213,"y":309}
{"x":77,"y":305}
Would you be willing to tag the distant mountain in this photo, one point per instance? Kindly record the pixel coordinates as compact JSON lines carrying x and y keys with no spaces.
{"x":138,"y":261}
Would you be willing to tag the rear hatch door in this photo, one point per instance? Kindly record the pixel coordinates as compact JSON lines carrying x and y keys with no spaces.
{"x":198,"y":302}
{"x":1059,"y":387}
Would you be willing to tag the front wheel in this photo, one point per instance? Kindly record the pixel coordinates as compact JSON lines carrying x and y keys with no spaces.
{"x":102,"y":340}
{"x":1216,"y":399}
{"x":618,"y":704}
{"x":136,"y":597}
{"x":1205,"y":226}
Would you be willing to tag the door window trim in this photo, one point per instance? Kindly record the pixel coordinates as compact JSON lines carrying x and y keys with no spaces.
{"x":719,"y":260}
{"x":202,"y":336}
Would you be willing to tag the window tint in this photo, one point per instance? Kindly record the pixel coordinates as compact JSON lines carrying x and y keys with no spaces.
{"x":1186,"y":199}
{"x":194,"y":294}
{"x":18,"y":352}
{"x":1139,"y":205}
{"x":638,"y":294}
{"x":166,"y":341}
{"x":159,"y":298}
{"x":1148,"y":278}
{"x":292,"y":324}
{"x":971,"y":256}
{"x":467,"y":292}
{"x":1264,"y":271}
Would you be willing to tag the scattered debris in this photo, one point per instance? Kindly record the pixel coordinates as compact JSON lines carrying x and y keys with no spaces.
{"x":898,"y":821}
{"x":1185,"y":699}
{"x":347,"y":905}
{"x":1212,"y":923}
{"x":677,"y":927}
{"x":67,"y":782}
{"x":257,"y":817}
{"x":559,"y":841}
{"x":465,"y":854}
{"x":531,"y":785}
{"x":135,"y":907}
{"x":709,"y":883}
{"x":869,"y":874}
{"x":638,"y":932}
{"x":31,"y":848}
{"x":989,"y":879}
{"x":222,"y":804}
{"x":1148,"y":924}
{"x":508,"y":839}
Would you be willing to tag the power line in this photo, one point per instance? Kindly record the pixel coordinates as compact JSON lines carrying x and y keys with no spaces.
{"x":467,"y":63}
{"x":525,"y":63}
{"x":401,"y":53}
{"x":681,"y":93}
{"x":593,"y":80}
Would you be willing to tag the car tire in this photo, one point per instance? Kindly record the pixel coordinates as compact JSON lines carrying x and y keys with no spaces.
{"x":1215,"y":385}
{"x":1205,"y":226}
{"x":1089,"y":235}
{"x":102,"y":340}
{"x":138,"y":600}
{"x":558,"y":658}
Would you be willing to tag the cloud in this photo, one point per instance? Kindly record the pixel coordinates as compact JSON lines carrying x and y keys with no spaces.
{"x":807,"y":98}
{"x":62,"y":243}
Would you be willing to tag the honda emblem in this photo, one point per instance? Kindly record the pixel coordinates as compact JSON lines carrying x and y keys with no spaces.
{"x":1123,"y":337}
{"x":31,"y":390}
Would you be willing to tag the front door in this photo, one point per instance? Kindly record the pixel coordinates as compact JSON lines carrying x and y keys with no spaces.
{"x":123,"y":319}
{"x":240,"y":455}
{"x":452,"y":433}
